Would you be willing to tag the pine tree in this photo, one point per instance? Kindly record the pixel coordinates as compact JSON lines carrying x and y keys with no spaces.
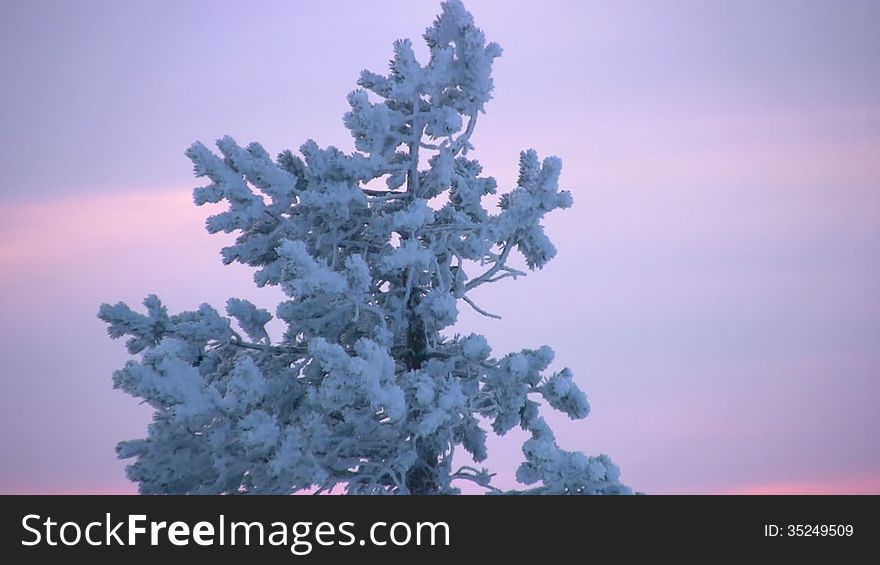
{"x":364,"y":390}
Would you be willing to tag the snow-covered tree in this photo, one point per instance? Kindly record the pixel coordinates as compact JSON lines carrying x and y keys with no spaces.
{"x":365,"y":390}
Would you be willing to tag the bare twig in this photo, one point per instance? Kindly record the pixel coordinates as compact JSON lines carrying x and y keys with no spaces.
{"x":480,"y":310}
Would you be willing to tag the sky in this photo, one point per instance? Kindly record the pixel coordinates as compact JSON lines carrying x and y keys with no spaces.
{"x":716,"y":287}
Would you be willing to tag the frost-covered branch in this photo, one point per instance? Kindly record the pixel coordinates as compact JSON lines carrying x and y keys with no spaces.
{"x":498,"y":264}
{"x":480,"y":310}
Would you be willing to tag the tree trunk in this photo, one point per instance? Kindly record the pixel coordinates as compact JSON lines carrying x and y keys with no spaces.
{"x":423,"y":477}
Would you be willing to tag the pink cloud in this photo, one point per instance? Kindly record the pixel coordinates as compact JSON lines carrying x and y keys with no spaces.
{"x":103,"y":491}
{"x":862,"y":485}
{"x":43,"y":228}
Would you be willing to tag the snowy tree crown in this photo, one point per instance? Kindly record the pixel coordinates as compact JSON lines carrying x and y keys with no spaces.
{"x":364,"y":390}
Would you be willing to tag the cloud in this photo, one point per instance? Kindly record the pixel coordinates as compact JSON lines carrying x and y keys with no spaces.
{"x":35,"y":230}
{"x":849,"y":485}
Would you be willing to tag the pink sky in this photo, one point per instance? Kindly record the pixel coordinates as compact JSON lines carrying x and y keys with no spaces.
{"x":715,"y":289}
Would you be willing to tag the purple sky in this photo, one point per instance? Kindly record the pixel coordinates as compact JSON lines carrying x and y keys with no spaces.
{"x":716,"y":288}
